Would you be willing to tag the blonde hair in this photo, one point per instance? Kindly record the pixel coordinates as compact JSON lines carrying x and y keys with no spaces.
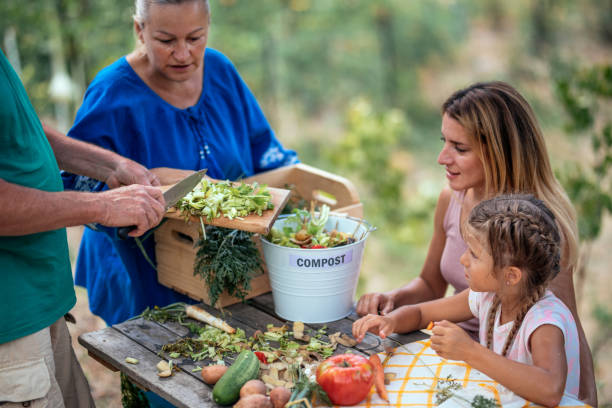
{"x":510,"y":145}
{"x":519,"y":231}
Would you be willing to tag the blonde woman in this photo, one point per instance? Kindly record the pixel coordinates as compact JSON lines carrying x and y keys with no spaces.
{"x":492,"y":145}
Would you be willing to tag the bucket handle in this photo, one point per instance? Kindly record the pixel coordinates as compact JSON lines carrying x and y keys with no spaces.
{"x":370,"y":227}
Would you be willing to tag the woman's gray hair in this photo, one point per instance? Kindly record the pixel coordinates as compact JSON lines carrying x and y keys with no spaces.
{"x":141,"y":7}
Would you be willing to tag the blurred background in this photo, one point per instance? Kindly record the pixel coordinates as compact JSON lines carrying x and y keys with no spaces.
{"x":355,"y":86}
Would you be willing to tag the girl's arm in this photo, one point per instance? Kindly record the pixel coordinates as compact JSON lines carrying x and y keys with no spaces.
{"x":428,"y":286}
{"x":542,"y":383}
{"x":414,"y":317}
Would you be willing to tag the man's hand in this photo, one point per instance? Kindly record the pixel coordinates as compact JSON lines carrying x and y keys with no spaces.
{"x":138,"y":205}
{"x":451,"y":341}
{"x":130,"y":172}
{"x":375,"y":303}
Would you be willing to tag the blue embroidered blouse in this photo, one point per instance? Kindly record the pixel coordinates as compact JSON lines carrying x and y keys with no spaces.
{"x":226,"y":132}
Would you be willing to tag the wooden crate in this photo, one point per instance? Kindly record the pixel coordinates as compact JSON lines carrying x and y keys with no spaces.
{"x":175,"y":239}
{"x":175,"y":253}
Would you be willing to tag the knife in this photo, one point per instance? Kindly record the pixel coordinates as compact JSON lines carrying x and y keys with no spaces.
{"x":171,"y":196}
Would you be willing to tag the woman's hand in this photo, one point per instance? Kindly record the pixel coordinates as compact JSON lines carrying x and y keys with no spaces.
{"x":379,"y":325}
{"x":450,"y":341}
{"x":375,"y":303}
{"x":128,"y":172}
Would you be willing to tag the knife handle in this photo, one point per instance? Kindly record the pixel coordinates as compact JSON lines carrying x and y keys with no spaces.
{"x":123,"y":232}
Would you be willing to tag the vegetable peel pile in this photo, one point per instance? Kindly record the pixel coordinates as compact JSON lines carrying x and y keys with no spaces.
{"x":306,"y":229}
{"x":215,"y":199}
{"x":278,"y":348}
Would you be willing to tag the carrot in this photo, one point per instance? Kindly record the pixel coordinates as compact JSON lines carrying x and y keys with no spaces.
{"x":430,"y":326}
{"x":379,"y":377}
{"x":202,"y":315}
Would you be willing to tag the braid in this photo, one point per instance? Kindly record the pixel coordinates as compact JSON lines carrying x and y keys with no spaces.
{"x":518,"y":321}
{"x":491,"y":321}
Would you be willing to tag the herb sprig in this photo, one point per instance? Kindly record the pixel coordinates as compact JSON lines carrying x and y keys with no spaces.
{"x":446,"y":388}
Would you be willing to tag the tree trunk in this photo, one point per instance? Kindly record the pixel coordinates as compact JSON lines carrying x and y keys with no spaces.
{"x":388,"y":53}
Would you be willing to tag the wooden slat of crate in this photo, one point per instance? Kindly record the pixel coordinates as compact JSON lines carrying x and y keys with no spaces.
{"x":175,"y":253}
{"x":311,"y":183}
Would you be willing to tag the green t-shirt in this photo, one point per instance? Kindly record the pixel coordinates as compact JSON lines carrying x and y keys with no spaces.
{"x":36,"y":285}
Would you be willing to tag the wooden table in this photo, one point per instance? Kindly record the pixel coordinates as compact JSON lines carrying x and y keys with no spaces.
{"x":143,"y":340}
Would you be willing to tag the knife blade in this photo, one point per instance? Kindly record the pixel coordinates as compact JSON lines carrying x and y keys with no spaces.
{"x":171,"y":196}
{"x":180,"y":189}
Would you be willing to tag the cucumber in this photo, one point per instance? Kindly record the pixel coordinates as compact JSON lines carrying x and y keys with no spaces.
{"x":245,"y":368}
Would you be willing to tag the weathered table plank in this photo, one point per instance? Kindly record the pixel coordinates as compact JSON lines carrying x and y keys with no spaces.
{"x":153,"y":336}
{"x":112,"y":347}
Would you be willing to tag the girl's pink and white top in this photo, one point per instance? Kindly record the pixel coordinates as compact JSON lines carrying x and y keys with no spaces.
{"x":548,"y":310}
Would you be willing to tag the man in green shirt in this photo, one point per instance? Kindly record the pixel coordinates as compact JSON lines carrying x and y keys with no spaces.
{"x":37,"y":361}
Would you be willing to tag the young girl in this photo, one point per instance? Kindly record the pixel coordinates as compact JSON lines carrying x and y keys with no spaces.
{"x":528,"y":337}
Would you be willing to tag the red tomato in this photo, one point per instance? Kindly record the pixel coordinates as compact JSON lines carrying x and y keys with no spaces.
{"x":317,"y":247}
{"x":346,"y":378}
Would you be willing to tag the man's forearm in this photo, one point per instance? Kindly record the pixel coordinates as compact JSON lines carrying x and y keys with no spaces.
{"x":82,"y":158}
{"x":27,"y":210}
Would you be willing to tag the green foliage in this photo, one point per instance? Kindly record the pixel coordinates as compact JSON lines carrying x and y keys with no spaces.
{"x":131,"y":395}
{"x":366,"y":151}
{"x":80,"y":36}
{"x":300,"y":50}
{"x":370,"y":150}
{"x":591,"y":199}
{"x":603,"y":316}
{"x":586,"y":95}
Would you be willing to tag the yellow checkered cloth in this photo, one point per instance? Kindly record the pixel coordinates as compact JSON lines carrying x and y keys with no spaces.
{"x":418,"y":369}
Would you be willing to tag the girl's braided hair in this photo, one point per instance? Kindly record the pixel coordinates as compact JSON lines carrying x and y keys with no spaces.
{"x":518,"y":230}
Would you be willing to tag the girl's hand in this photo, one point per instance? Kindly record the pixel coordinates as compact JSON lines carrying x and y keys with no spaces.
{"x":379,"y":325}
{"x":450,"y":341}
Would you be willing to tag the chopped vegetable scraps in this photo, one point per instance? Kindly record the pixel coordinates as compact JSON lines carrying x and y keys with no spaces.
{"x":215,"y":199}
{"x":276,"y":348}
{"x":304,"y":229}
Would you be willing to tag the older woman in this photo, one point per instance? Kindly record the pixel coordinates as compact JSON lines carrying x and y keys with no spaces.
{"x":492,"y":144}
{"x":172,"y":102}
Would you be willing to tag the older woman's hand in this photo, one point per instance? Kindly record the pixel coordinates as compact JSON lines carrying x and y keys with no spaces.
{"x":375,"y":303}
{"x":127,"y":172}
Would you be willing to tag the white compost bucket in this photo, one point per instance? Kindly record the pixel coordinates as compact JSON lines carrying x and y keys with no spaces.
{"x":316,"y":285}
